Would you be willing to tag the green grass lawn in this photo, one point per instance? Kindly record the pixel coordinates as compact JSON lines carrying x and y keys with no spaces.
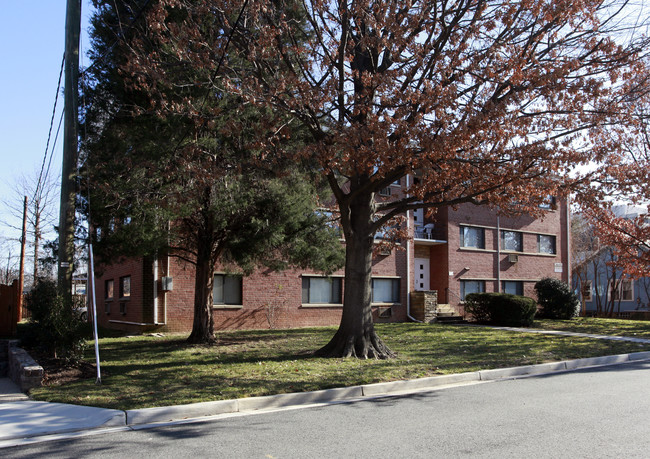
{"x":149,"y":371}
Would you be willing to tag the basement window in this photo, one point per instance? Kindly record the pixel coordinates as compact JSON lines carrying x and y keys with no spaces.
{"x":471,"y":286}
{"x":513,"y":287}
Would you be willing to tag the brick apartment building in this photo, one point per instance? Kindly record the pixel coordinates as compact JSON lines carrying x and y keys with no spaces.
{"x":453,"y":253}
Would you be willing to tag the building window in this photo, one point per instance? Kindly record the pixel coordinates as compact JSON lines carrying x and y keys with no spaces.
{"x":107,"y":307}
{"x":623,"y":290}
{"x":549,"y":203}
{"x":385,"y":290}
{"x":512,"y":241}
{"x":627,"y":293}
{"x":471,"y":236}
{"x":587,"y":290}
{"x":122,"y":308}
{"x":546,"y":244}
{"x":125,"y":287}
{"x":512,"y":287}
{"x":321,"y":290}
{"x":108,"y":289}
{"x":227,"y":289}
{"x":471,"y":286}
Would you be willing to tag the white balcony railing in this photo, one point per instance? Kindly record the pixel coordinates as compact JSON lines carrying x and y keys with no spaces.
{"x":424,"y":232}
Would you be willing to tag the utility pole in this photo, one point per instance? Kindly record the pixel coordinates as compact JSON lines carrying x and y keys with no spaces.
{"x":70,"y":148}
{"x":21,"y":273}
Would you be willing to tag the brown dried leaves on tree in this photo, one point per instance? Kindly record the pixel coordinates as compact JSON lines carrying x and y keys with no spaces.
{"x":491,"y":102}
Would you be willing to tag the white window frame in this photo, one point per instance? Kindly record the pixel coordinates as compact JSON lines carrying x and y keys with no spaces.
{"x":616,"y":294}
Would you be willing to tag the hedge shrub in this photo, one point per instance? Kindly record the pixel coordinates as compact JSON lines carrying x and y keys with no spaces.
{"x":501,"y":309}
{"x":556,"y":299}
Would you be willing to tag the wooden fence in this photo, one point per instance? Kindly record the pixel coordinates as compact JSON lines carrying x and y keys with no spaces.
{"x":9,"y":313}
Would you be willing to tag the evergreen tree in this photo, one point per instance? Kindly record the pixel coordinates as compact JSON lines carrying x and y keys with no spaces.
{"x":192,"y":183}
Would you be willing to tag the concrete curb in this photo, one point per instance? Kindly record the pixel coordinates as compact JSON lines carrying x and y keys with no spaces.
{"x":527,"y":370}
{"x":371,"y":390}
{"x":640,"y":356}
{"x":343,"y":394}
{"x":175,"y":413}
{"x":597,"y":361}
{"x":299,"y":398}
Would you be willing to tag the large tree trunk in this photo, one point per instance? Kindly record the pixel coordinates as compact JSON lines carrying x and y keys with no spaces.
{"x":356,"y":336}
{"x":203,"y":326}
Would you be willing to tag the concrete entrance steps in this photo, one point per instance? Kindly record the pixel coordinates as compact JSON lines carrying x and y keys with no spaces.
{"x":447,"y":314}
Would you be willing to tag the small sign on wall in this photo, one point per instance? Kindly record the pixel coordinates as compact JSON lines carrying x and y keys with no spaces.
{"x":558,"y":267}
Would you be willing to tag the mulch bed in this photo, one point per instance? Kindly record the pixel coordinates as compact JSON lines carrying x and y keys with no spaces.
{"x":62,"y":371}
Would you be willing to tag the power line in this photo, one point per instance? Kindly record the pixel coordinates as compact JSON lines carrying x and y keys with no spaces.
{"x":49,"y":135}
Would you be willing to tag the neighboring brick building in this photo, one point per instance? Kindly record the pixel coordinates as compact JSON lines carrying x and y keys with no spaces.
{"x":454,"y":253}
{"x":484,"y":252}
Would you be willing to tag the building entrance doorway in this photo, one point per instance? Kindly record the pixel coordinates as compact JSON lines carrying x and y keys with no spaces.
{"x":422,"y":274}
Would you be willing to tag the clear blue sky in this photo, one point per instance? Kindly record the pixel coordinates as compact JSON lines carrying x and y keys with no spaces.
{"x":32,"y":38}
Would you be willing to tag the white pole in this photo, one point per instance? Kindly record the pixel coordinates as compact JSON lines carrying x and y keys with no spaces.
{"x":92,"y":289}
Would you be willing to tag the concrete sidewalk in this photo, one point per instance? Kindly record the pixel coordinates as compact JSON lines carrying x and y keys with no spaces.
{"x":23,"y":420}
{"x":566,"y":333}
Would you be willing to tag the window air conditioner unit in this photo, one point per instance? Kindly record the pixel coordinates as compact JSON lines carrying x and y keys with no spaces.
{"x":167,"y":284}
{"x":384,"y":312}
{"x":513,"y":258}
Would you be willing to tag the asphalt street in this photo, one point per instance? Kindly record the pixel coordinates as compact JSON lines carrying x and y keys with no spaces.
{"x":598,"y":412}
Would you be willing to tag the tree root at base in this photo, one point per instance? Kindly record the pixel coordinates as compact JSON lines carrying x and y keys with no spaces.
{"x":364,"y":346}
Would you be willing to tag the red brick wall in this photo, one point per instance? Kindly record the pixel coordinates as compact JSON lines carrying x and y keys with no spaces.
{"x":270,"y":299}
{"x":132,"y":267}
{"x":486,"y":265}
